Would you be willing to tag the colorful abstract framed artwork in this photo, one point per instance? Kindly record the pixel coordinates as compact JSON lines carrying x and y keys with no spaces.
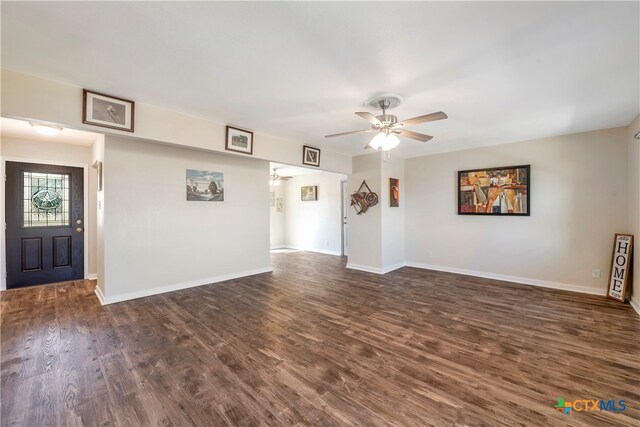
{"x":502,"y":191}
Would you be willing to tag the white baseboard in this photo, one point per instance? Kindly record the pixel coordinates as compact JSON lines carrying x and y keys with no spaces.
{"x":375,"y":270}
{"x":176,"y":287}
{"x":320,"y":251}
{"x":99,"y":295}
{"x":366,"y":268}
{"x":635,"y":304}
{"x":390,"y":268}
{"x":515,"y":279}
{"x":92,"y":277}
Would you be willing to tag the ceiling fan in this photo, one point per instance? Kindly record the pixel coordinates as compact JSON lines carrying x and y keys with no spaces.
{"x":274,"y":178}
{"x":388,"y":127}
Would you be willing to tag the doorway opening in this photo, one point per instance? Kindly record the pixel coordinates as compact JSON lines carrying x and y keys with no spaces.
{"x":48,"y":205}
{"x":306,"y":211}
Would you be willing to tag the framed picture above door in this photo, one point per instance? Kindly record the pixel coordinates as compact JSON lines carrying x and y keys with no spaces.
{"x":107,"y":111}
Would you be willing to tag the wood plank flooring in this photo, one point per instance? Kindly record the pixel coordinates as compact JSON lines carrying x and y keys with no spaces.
{"x":316,"y":344}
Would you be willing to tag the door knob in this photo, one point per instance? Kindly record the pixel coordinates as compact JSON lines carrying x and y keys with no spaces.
{"x":79,"y":230}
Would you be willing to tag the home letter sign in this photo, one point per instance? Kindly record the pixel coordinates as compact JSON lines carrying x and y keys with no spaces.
{"x":620,"y":266}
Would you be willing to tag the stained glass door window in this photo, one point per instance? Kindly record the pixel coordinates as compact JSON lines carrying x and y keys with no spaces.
{"x":46,"y":199}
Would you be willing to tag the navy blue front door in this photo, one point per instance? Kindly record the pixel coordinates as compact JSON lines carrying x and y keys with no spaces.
{"x":45,"y":224}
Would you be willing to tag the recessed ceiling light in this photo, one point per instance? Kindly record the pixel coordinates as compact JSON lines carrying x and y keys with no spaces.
{"x":45,"y":129}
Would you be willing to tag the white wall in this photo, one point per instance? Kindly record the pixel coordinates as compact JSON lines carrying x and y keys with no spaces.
{"x":97,"y":154}
{"x":29,"y":97}
{"x":157,"y":241}
{"x":365,"y":230}
{"x":633,"y":168}
{"x":314,"y":225}
{"x":60,"y":153}
{"x":276,"y":223}
{"x":393,"y":219}
{"x":578,"y":202}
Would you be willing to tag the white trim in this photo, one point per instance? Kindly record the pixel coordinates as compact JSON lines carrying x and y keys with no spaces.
{"x":390,"y":268}
{"x":514,"y":279}
{"x":376,"y":270}
{"x":92,"y":277}
{"x":87,"y":220}
{"x":85,"y":213}
{"x":177,"y":286}
{"x":635,"y":304}
{"x":344,"y":183}
{"x":320,"y":251}
{"x":277,"y":247}
{"x":99,"y":295}
{"x":366,"y":268}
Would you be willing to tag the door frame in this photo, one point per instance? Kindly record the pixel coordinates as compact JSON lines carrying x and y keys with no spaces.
{"x":87,"y":221}
{"x":343,"y":214}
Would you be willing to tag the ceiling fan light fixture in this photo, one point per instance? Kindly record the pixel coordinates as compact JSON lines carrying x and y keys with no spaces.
{"x":384,"y":141}
{"x":376,"y":141}
{"x":391,"y":141}
{"x":274,"y":179}
{"x":46,"y":129}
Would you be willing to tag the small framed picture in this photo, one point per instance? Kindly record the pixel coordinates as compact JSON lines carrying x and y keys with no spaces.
{"x":394,"y":192}
{"x":205,"y":186}
{"x":309,"y":193}
{"x":97,"y":165}
{"x":107,"y":111}
{"x":310,"y":156}
{"x":239,"y":140}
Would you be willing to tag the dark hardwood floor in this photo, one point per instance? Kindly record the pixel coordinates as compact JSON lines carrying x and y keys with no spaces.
{"x":315,"y":344}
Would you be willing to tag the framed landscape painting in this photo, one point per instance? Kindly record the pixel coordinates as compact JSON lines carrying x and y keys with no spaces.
{"x":205,"y":186}
{"x":239,"y":140}
{"x":495,"y":191}
{"x":309,"y":193}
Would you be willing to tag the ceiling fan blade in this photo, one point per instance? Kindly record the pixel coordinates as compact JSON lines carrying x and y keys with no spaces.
{"x":349,"y":133}
{"x":415,"y":135}
{"x":422,"y":119}
{"x":370,"y":118}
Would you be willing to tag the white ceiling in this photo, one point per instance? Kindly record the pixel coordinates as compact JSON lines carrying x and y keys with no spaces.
{"x":12,"y":128}
{"x":502,"y":71}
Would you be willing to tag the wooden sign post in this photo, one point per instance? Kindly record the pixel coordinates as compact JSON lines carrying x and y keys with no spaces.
{"x":621,"y":262}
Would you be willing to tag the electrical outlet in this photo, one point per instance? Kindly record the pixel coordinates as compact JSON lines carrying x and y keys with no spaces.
{"x":595,"y":273}
{"x":326,"y":243}
{"x":429,"y":254}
